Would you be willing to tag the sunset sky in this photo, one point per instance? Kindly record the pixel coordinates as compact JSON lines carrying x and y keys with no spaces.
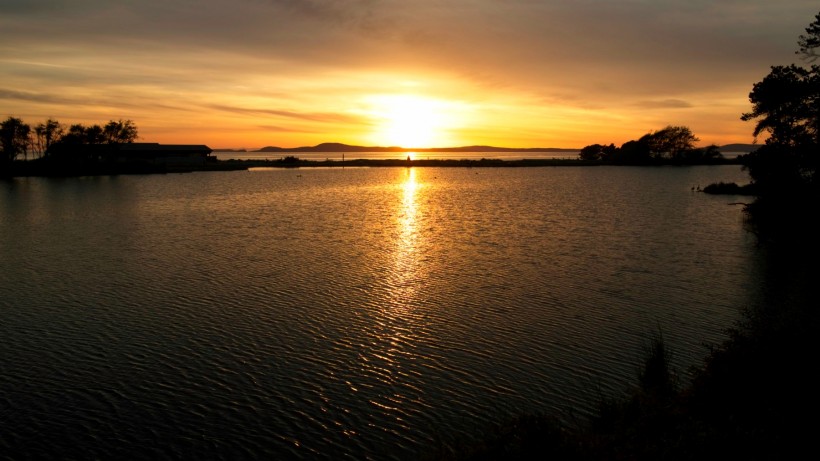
{"x":416,"y":73}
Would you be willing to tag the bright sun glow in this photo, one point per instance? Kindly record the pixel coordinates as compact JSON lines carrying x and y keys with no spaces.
{"x":410,"y":121}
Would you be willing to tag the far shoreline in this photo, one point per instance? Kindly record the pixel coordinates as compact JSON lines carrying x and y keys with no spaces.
{"x":32,"y":168}
{"x":295,"y":162}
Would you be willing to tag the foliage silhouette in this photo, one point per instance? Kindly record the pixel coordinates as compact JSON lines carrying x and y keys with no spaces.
{"x":673,"y":144}
{"x":670,"y":143}
{"x":786,"y":107}
{"x":14,"y":138}
{"x":46,"y":134}
{"x":810,"y":42}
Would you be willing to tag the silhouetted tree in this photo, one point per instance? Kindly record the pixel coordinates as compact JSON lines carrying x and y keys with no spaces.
{"x":70,"y":147}
{"x":94,"y":134}
{"x":675,"y":143}
{"x":591,"y":152}
{"x":702,"y":154}
{"x":598,"y":152}
{"x":786,"y":106}
{"x":15,"y":138}
{"x":120,"y":132}
{"x":671,"y":142}
{"x":634,"y":152}
{"x":82,"y":143}
{"x":47,"y":133}
{"x":609,"y":152}
{"x":79,"y":134}
{"x":810,"y":42}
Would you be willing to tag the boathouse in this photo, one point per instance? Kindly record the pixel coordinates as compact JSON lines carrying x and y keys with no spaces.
{"x":131,"y":154}
{"x":161,"y":154}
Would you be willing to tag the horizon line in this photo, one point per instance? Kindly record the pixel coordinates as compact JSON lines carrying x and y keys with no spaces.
{"x":324,"y":146}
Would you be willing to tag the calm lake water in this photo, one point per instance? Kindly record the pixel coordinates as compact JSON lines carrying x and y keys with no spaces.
{"x":348,"y":313}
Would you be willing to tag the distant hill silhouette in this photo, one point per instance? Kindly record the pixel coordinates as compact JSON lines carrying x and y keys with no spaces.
{"x":738,"y":147}
{"x":339,"y":147}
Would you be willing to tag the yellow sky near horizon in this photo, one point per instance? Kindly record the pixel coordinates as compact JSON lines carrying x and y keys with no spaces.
{"x":249,"y":74}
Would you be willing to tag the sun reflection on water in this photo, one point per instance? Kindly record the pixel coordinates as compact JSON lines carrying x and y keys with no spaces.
{"x":397,"y":329}
{"x":406,"y":264}
{"x":410,"y":186}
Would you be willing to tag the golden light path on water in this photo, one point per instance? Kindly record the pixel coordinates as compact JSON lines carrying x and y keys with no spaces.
{"x":405,"y":279}
{"x":406,"y":255}
{"x":398,"y":330}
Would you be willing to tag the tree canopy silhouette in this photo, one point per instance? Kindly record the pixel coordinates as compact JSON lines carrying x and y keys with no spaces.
{"x":673,"y":144}
{"x":14,"y":138}
{"x":120,"y":132}
{"x":786,"y":107}
{"x":46,"y":134}
{"x":810,"y":42}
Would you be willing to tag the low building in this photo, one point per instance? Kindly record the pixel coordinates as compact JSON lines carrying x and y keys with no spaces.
{"x":161,"y":154}
{"x":145,"y":154}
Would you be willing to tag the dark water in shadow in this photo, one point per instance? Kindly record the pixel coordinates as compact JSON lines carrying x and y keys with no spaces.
{"x":347,"y":313}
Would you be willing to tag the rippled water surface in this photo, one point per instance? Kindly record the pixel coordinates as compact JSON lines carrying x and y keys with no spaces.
{"x":347,"y":313}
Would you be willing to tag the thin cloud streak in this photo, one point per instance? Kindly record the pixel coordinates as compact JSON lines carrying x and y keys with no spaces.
{"x":323,"y":118}
{"x":665,"y":104}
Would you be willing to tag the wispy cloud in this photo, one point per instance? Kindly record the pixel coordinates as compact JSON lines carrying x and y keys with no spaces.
{"x":28,"y":96}
{"x":313,"y":117}
{"x":664,"y":104}
{"x":282,"y":129}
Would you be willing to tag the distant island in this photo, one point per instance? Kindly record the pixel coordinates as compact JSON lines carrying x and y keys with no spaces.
{"x":739,"y":148}
{"x":339,"y":147}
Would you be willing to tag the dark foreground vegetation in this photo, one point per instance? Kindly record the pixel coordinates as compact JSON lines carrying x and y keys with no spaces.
{"x":755,"y":396}
{"x":753,"y":399}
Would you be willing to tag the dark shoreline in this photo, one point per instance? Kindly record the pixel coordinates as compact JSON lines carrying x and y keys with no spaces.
{"x":35,"y":168}
{"x":293,"y":162}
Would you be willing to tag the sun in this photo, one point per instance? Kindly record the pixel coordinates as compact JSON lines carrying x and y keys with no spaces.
{"x":410,"y":121}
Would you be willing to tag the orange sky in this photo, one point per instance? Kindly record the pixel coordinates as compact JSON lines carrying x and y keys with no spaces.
{"x":253,"y":73}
